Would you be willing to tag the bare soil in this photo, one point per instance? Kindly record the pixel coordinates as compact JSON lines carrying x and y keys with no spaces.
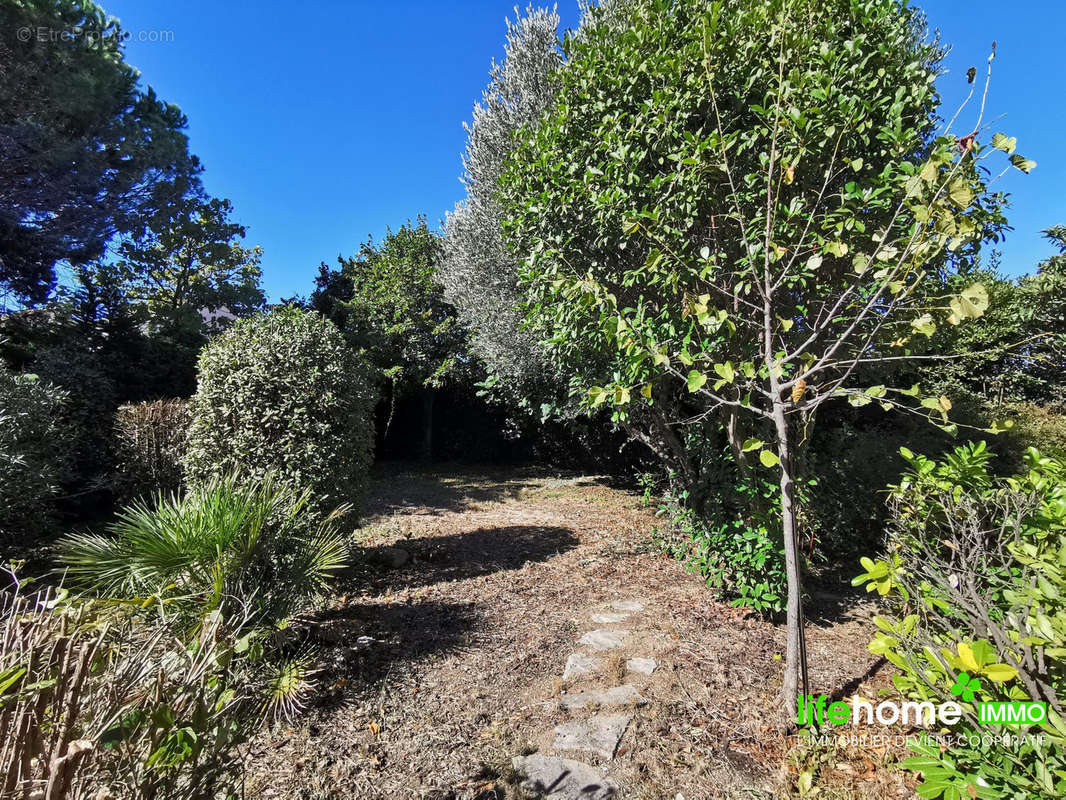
{"x":438,"y":672}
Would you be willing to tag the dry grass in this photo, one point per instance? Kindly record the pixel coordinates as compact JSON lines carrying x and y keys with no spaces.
{"x":443,"y":670}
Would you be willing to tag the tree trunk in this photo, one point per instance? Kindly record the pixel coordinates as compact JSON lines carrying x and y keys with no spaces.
{"x":795,"y":648}
{"x":428,"y":397}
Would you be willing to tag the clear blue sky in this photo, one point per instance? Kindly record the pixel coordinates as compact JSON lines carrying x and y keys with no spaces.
{"x":324,"y":122}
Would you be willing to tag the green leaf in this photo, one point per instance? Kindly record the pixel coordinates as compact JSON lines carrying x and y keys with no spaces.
{"x":751,"y":444}
{"x":768,"y":459}
{"x":725,"y":371}
{"x":1007,"y":144}
{"x":1024,"y":164}
{"x":924,"y":325}
{"x":696,"y":380}
{"x":960,"y":193}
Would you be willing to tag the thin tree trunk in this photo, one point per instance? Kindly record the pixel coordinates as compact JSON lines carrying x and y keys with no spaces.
{"x":795,"y":647}
{"x":428,"y":397}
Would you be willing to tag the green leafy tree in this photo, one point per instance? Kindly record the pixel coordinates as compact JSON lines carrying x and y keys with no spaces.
{"x":750,"y":202}
{"x":1016,"y":352}
{"x":86,"y":151}
{"x":189,"y":262}
{"x":390,"y":304}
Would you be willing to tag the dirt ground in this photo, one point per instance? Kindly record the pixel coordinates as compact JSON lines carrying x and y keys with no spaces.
{"x":438,"y":672}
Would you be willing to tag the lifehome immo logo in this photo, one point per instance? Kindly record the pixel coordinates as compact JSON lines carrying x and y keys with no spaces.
{"x":811,"y":710}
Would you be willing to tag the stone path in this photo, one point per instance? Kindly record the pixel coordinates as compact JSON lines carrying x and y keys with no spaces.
{"x":599,"y":713}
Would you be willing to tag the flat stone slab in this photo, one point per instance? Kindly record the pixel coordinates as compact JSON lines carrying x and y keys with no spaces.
{"x":632,"y":606}
{"x":578,"y":665}
{"x":608,"y":618}
{"x":599,"y":734}
{"x":642,"y":666}
{"x":604,"y":698}
{"x":601,"y":639}
{"x":562,"y":779}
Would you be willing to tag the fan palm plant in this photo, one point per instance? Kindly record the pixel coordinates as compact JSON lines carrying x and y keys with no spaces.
{"x":252,"y":554}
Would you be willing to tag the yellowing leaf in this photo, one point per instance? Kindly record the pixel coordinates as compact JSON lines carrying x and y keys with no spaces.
{"x":1000,"y":672}
{"x":960,"y":193}
{"x":751,"y":444}
{"x":768,"y":459}
{"x":967,"y":659}
{"x":1007,"y":144}
{"x":924,"y":325}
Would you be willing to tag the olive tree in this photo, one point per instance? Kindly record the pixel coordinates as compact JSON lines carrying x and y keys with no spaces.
{"x":754,"y":202}
{"x":479,"y":274}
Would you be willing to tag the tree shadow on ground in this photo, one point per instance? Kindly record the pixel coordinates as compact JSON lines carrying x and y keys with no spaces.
{"x":459,"y":556}
{"x":366,"y":640}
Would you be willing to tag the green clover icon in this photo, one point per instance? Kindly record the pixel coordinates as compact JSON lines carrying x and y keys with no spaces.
{"x":965,"y":687}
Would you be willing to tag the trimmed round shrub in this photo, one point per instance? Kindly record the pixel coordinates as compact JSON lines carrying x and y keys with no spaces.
{"x":283,"y":394}
{"x":32,"y":454}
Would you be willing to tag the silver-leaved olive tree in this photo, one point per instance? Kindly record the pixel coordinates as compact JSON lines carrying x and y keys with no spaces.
{"x":752,"y":201}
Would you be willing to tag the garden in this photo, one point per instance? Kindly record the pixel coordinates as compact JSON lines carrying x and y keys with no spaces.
{"x":702,"y":448}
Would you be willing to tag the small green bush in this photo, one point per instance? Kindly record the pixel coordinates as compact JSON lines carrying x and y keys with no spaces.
{"x":975,"y":577}
{"x":32,"y":458}
{"x":252,"y":555}
{"x":735,"y":544}
{"x":150,"y":445}
{"x":282,"y":393}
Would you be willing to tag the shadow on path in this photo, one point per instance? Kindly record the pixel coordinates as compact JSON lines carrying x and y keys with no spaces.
{"x":459,"y":556}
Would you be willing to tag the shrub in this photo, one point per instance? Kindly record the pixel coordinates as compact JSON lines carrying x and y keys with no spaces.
{"x":734,"y":543}
{"x":1042,"y":427}
{"x":150,"y":441}
{"x":252,"y":555}
{"x":92,"y":397}
{"x":976,"y":581}
{"x":258,"y":549}
{"x":283,"y":393}
{"x":31,"y":453}
{"x":102,"y":704}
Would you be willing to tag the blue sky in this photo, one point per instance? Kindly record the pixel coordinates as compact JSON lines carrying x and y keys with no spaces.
{"x":325,"y":122}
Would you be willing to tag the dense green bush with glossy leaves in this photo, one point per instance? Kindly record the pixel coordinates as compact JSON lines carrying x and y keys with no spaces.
{"x":975,"y":581}
{"x":31,"y":448}
{"x":283,"y":394}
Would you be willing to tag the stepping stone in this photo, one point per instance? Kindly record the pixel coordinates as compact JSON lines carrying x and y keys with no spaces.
{"x":601,"y":639}
{"x":604,"y":698}
{"x":599,"y":734}
{"x":642,"y":666}
{"x":632,"y":606}
{"x":607,"y":618}
{"x":562,"y":779}
{"x":578,"y":665}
